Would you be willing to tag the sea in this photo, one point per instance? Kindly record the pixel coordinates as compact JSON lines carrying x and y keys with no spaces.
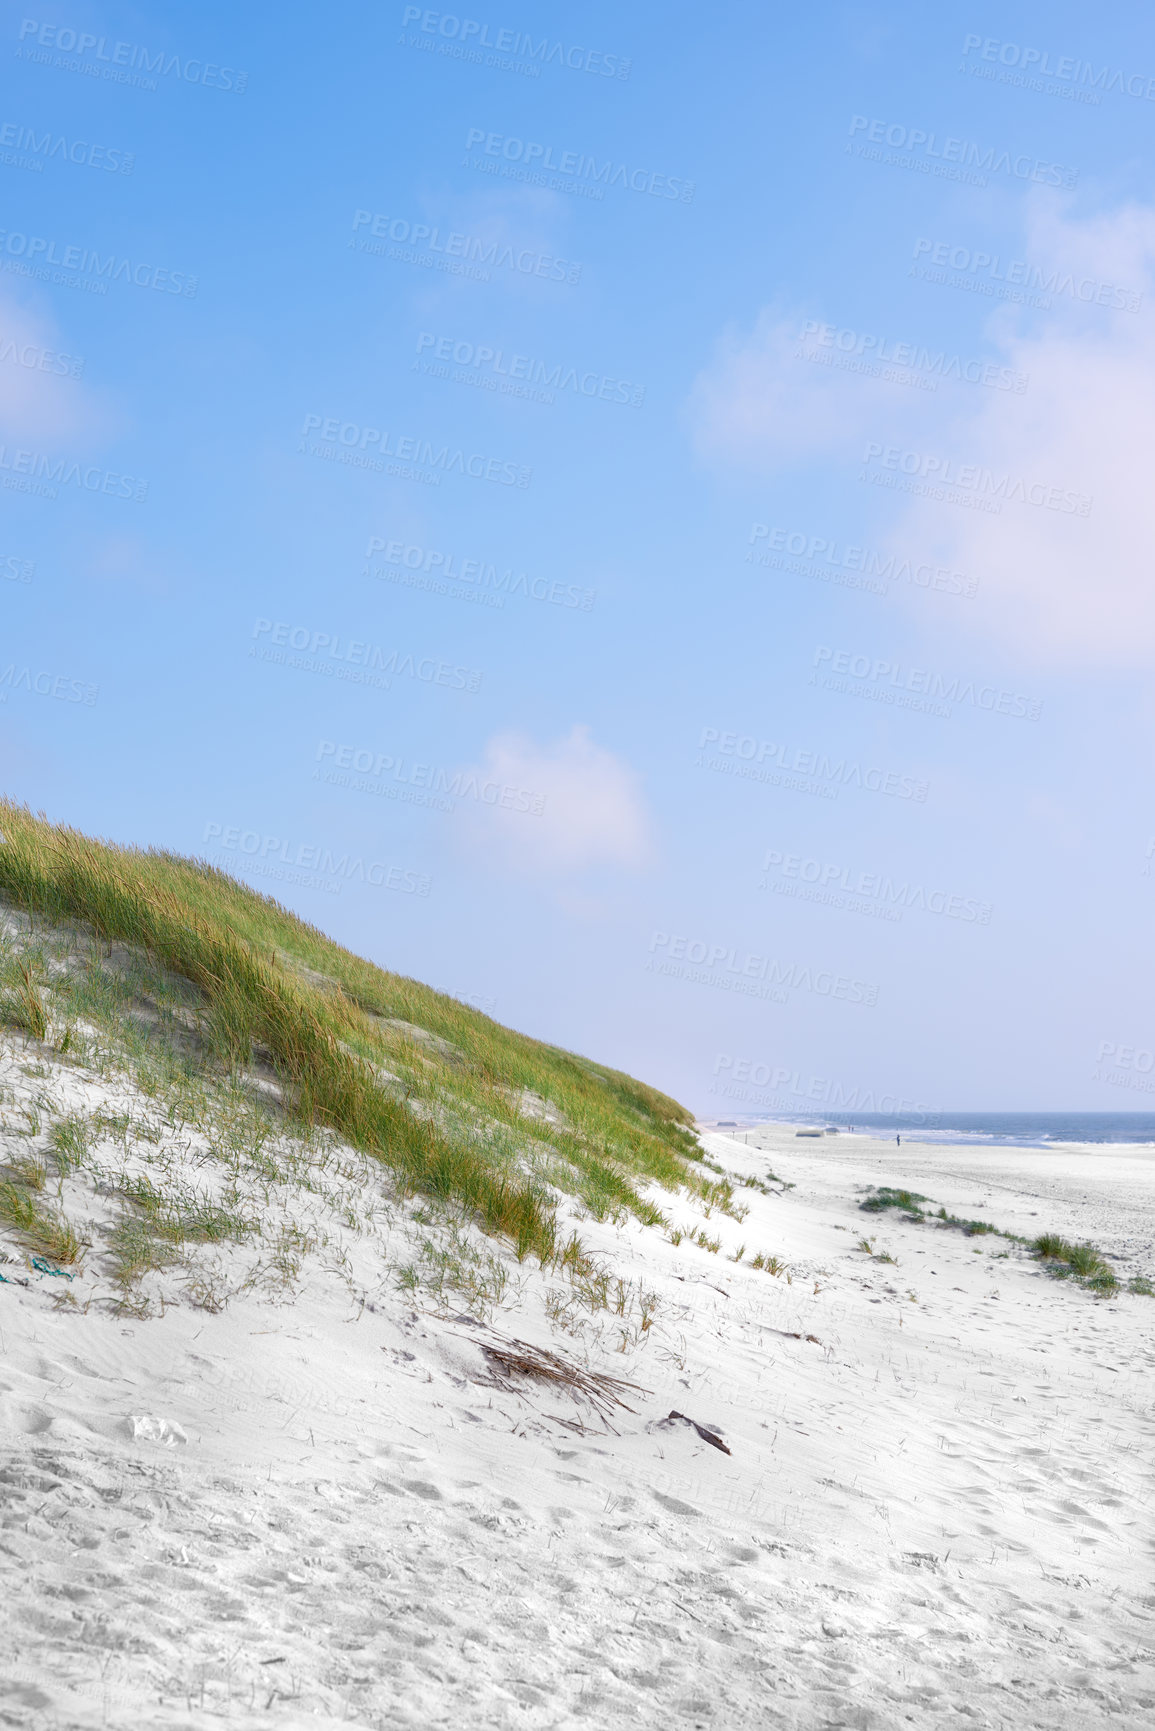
{"x":991,"y":1129}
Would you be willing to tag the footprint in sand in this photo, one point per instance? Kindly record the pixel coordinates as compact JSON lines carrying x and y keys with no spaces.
{"x":33,"y":1420}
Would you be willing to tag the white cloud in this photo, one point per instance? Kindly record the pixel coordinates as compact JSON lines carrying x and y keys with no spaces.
{"x":1061,"y":587}
{"x":42,"y":394}
{"x":558,"y":808}
{"x":1055,"y":587}
{"x":760,"y":407}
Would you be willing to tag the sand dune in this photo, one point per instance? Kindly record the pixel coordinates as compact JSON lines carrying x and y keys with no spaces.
{"x":936,"y":1508}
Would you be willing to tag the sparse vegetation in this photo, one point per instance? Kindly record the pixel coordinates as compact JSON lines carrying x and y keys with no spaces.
{"x":867,"y":1246}
{"x":70,"y":1139}
{"x":767,"y":1188}
{"x":909,"y":1202}
{"x":1080,"y":1262}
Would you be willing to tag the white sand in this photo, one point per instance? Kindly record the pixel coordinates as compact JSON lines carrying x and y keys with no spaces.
{"x":938,"y":1512}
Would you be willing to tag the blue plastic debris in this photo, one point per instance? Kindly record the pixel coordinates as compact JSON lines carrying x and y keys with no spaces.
{"x":43,"y":1267}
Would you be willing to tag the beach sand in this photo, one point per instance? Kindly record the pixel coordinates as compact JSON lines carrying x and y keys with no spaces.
{"x":936,"y":1508}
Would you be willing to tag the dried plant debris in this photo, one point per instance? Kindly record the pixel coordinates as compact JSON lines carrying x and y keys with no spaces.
{"x":513,"y":1359}
{"x":706,"y":1432}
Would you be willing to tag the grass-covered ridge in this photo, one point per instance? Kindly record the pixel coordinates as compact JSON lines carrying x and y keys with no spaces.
{"x":460,"y":1109}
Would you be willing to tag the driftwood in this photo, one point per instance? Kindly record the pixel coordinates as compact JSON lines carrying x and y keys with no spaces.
{"x":704,"y":1431}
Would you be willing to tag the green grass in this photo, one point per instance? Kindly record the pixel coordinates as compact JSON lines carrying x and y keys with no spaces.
{"x":70,"y":1139}
{"x":884,"y":1197}
{"x":1081,"y":1260}
{"x":248,"y":984}
{"x":21,"y":1004}
{"x":38,"y":1229}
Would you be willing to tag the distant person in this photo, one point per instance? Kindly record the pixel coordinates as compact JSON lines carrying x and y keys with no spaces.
{"x":898,"y":1139}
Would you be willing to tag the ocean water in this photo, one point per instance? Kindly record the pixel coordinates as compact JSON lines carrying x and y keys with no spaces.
{"x":1016,"y":1129}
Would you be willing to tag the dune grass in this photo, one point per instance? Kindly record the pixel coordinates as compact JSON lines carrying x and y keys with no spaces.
{"x":440,"y":1093}
{"x":885,"y":1197}
{"x":22,"y":1005}
{"x":1083,"y":1261}
{"x":37,"y":1227}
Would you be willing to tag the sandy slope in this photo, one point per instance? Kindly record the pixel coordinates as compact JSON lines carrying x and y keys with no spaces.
{"x":936,"y":1512}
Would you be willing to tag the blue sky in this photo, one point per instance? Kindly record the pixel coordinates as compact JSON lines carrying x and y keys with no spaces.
{"x":640,"y":518}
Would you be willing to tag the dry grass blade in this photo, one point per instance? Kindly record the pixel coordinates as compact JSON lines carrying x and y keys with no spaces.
{"x":512,"y":1358}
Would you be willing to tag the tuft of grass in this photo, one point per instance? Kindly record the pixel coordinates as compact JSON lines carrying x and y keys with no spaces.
{"x":28,"y":1172}
{"x":136,"y":1251}
{"x":22,"y":1005}
{"x":1141,"y":1286}
{"x":1082,"y":1261}
{"x":182,"y":1219}
{"x":885,"y":1197}
{"x":1050,"y":1247}
{"x":40,"y":1231}
{"x":70,"y":1139}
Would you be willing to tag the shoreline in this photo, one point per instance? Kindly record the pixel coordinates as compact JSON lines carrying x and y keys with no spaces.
{"x":927,"y":1135}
